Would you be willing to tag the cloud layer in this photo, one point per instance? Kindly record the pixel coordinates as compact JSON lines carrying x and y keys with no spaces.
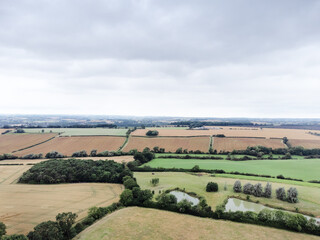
{"x":178,"y":58}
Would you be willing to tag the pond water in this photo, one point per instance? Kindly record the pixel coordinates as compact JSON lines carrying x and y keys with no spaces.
{"x":235,"y":204}
{"x":181,"y":196}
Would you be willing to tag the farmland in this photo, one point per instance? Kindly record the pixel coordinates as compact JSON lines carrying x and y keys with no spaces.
{"x":169,"y":144}
{"x":14,"y":142}
{"x":235,"y":132}
{"x":305,"y":169}
{"x":309,"y":196}
{"x":24,"y":206}
{"x":80,"y":131}
{"x":229,"y":144}
{"x":306,"y":143}
{"x":69,"y":145}
{"x":141,"y":223}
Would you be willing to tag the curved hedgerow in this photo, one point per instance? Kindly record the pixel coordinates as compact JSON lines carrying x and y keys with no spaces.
{"x":75,"y":171}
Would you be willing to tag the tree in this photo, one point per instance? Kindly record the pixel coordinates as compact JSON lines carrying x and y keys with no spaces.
{"x":285,"y":140}
{"x":152,"y":133}
{"x":156,"y":149}
{"x":257,"y":190}
{"x":237,"y":186}
{"x":292,"y":195}
{"x":46,"y":231}
{"x":15,"y":237}
{"x":2,"y":229}
{"x":196,"y":168}
{"x":281,"y":194}
{"x":248,"y":188}
{"x":130,"y":183}
{"x":166,"y":200}
{"x":126,"y":197}
{"x":93,"y":153}
{"x":154,"y":181}
{"x":212,"y":187}
{"x":179,"y":151}
{"x":267,"y":191}
{"x":65,"y":222}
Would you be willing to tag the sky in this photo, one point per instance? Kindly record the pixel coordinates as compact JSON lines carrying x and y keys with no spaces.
{"x":185,"y":58}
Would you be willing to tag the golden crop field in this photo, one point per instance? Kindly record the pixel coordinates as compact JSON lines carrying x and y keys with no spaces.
{"x":69,"y":145}
{"x":24,"y":206}
{"x":235,"y":132}
{"x":229,"y":144}
{"x":14,"y":142}
{"x":142,"y":223}
{"x":168,"y":143}
{"x":306,"y":143}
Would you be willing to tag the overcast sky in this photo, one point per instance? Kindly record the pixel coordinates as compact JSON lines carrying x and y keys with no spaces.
{"x":162,"y":58}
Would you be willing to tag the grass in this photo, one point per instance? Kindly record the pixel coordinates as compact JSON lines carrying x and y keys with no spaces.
{"x":307,"y":169}
{"x":159,"y":155}
{"x":80,"y":131}
{"x":309,"y":196}
{"x":141,"y":223}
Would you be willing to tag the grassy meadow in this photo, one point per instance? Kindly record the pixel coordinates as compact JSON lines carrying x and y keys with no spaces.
{"x":305,"y":169}
{"x":309,"y":196}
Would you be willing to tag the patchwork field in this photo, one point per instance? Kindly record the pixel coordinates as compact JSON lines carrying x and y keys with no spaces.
{"x":305,"y":169}
{"x":80,"y":131}
{"x":142,"y":223}
{"x":306,"y":143}
{"x":24,"y":206}
{"x":14,"y":142}
{"x":169,"y":144}
{"x":229,"y":144}
{"x":309,"y":196}
{"x":235,"y":132}
{"x":69,"y":145}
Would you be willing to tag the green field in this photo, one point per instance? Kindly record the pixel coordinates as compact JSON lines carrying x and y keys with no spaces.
{"x":309,"y":196}
{"x":305,"y":169}
{"x":80,"y":131}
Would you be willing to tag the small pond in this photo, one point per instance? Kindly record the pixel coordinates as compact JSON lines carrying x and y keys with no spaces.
{"x":181,"y":196}
{"x":235,"y":204}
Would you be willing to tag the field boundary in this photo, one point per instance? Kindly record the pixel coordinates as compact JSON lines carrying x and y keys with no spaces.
{"x":125,"y":143}
{"x":172,"y":136}
{"x":34,"y":145}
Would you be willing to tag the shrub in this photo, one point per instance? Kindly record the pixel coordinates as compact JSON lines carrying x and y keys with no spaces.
{"x":15,"y":237}
{"x":93,"y":153}
{"x":248,"y":188}
{"x":237,"y":186}
{"x":179,"y":151}
{"x":154,"y":181}
{"x":281,"y":194}
{"x":54,"y":154}
{"x":196,"y":168}
{"x":152,"y":133}
{"x":82,"y":153}
{"x":2,"y":229}
{"x":212,"y":187}
{"x":292,"y":195}
{"x":33,"y":156}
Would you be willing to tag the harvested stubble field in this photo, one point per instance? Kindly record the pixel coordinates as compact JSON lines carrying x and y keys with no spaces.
{"x":169,"y":144}
{"x":24,"y":206}
{"x":14,"y":142}
{"x":80,"y":131}
{"x":306,"y":143}
{"x":69,"y":145}
{"x":229,"y":144}
{"x":143,"y":223}
{"x":235,"y":132}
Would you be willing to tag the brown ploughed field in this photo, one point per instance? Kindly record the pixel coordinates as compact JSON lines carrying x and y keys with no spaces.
{"x":229,"y":144}
{"x":69,"y":145}
{"x":14,"y":142}
{"x":168,"y":143}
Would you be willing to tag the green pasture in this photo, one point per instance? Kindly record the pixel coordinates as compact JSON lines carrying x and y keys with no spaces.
{"x":305,"y":169}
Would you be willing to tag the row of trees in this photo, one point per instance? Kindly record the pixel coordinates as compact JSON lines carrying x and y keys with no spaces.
{"x":73,"y":171}
{"x":255,"y":190}
{"x":291,"y":196}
